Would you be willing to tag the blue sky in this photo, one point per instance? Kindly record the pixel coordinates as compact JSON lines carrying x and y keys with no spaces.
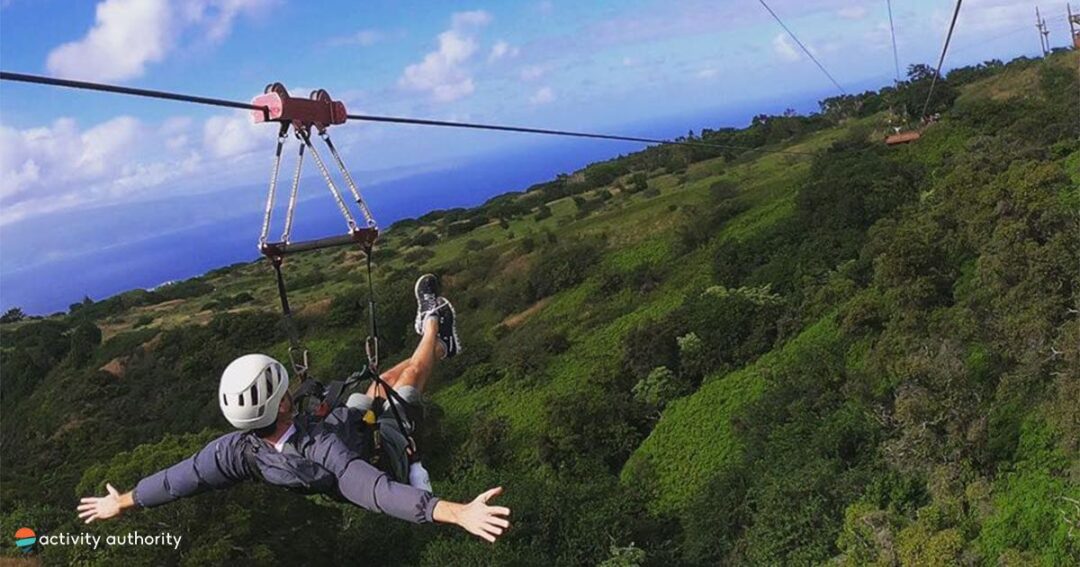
{"x":559,"y":64}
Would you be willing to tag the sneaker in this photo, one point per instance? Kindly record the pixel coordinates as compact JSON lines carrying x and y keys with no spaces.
{"x":427,"y":300}
{"x":448,"y":328}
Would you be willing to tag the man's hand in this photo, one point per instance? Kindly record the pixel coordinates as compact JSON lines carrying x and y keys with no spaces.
{"x":105,"y":507}
{"x":476,"y":517}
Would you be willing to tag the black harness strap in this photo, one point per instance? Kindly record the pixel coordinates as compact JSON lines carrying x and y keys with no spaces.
{"x":371,"y":346}
{"x":298,"y":355}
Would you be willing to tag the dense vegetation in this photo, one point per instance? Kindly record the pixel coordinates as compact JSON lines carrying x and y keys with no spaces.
{"x":853,"y":354}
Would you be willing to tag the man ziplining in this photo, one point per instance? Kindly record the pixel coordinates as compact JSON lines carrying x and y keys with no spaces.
{"x":333,"y":456}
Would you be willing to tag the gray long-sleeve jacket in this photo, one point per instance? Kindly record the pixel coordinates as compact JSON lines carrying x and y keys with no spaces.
{"x":321,"y":456}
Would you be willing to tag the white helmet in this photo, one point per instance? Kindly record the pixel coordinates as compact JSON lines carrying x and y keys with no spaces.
{"x":251,"y":388}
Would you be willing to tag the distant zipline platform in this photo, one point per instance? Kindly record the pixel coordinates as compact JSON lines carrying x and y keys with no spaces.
{"x":902,"y":138}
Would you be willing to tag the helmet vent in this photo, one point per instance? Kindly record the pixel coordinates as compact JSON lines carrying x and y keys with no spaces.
{"x":240,"y":398}
{"x":224,"y":400}
{"x":254,"y":394}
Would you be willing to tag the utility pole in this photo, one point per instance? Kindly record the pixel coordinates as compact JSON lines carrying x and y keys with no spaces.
{"x":1044,"y":34}
{"x":1074,"y":26}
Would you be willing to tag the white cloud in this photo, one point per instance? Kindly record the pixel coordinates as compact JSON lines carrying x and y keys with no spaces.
{"x":542,"y":96}
{"x":533,"y":72}
{"x":62,"y":165}
{"x":216,"y":17}
{"x":442,"y":72}
{"x":175,"y":132}
{"x":39,"y":161}
{"x":982,"y":16}
{"x":126,"y":36}
{"x":129,"y":35}
{"x":59,"y":166}
{"x":503,"y":49}
{"x":474,"y":18}
{"x":784,"y":48}
{"x":363,"y":38}
{"x":234,"y":135}
{"x":708,"y":73}
{"x":104,"y":143}
{"x":852,"y":12}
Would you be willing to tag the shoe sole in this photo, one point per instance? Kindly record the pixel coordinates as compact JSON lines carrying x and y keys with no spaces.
{"x":453,"y":332}
{"x":416,"y":293}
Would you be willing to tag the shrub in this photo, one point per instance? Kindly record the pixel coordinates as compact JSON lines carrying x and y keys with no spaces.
{"x":693,"y":357}
{"x":526,"y":351}
{"x":424,"y":238}
{"x":305,"y":280}
{"x":649,"y":345}
{"x":474,"y":245}
{"x":418,"y":255}
{"x":481,"y":374}
{"x":85,"y":337}
{"x":584,"y":432}
{"x":487,"y":444}
{"x":561,"y":267}
{"x":245,"y":330}
{"x":347,"y":308}
{"x":629,"y":556}
{"x":657,"y":389}
{"x":733,"y":324}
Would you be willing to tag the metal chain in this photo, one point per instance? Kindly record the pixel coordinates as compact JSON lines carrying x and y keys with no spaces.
{"x":292,"y":196}
{"x":329,"y":182}
{"x":283,"y":135}
{"x":364,"y":210}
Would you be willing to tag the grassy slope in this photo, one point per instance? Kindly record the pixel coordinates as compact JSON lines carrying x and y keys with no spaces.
{"x":643,"y":226}
{"x":694,"y":437}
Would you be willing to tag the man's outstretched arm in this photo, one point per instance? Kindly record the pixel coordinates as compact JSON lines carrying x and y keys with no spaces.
{"x":218,"y":465}
{"x":371,"y":489}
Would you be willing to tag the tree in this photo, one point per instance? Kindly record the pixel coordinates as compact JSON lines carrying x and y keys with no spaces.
{"x":911,"y":95}
{"x":656,"y":389}
{"x":85,"y":337}
{"x":12,"y":315}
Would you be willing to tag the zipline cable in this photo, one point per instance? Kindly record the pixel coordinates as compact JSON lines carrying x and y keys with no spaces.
{"x":892,"y":31}
{"x":116,"y":89}
{"x":805,"y":50}
{"x":498,"y":128}
{"x":147,"y":93}
{"x":941,"y":60}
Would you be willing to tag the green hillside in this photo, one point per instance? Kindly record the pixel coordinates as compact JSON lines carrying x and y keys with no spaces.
{"x":813,"y":349}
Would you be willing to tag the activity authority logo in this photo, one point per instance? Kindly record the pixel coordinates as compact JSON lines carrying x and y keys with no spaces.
{"x":25,"y":538}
